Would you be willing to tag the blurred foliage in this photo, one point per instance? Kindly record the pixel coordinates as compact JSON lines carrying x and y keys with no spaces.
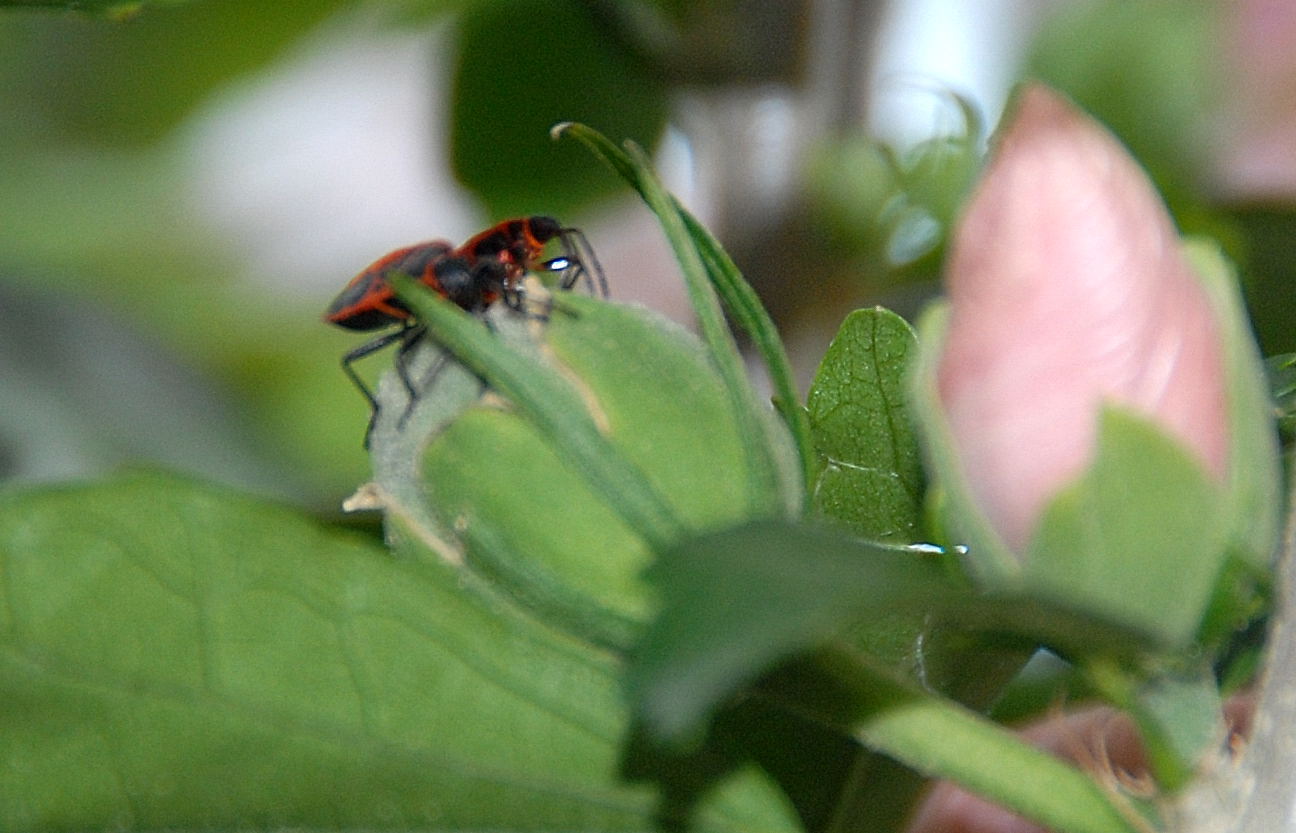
{"x":96,"y":219}
{"x":1148,"y":71}
{"x":715,"y":42}
{"x":1153,"y":72}
{"x":96,"y":215}
{"x":79,"y":80}
{"x":508,"y":92}
{"x":1268,"y":261}
{"x":117,"y":10}
{"x":891,"y":208}
{"x":1282,"y":381}
{"x":95,"y":212}
{"x":1156,"y":75}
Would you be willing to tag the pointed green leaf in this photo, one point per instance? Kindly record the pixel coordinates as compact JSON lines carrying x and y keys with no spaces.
{"x":871,"y":470}
{"x":691,"y":241}
{"x":720,"y":342}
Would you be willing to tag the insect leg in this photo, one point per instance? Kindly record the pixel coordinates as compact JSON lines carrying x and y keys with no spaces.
{"x":410,"y":336}
{"x":583,"y":262}
{"x":367,"y":349}
{"x":438,"y":364}
{"x":402,"y":335}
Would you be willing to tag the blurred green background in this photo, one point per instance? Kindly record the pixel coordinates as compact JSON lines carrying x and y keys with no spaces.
{"x":186,"y":185}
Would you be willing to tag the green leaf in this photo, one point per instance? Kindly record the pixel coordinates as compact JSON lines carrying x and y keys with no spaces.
{"x":553,"y":405}
{"x":942,"y":739}
{"x":520,"y":502}
{"x":1253,"y":496}
{"x":176,"y":657}
{"x":691,"y":242}
{"x":523,"y":65}
{"x":871,"y":469}
{"x":1138,"y":538}
{"x":737,"y":601}
{"x":870,"y":480}
{"x":720,"y":341}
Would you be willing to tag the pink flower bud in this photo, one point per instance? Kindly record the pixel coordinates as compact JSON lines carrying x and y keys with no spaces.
{"x":1068,"y":290}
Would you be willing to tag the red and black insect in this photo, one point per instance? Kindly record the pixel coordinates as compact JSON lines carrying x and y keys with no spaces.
{"x":519,"y":243}
{"x":368,"y":302}
{"x":489,"y":266}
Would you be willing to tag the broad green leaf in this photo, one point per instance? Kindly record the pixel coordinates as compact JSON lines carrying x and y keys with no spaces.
{"x":1138,"y":538}
{"x":510,"y":492}
{"x":871,"y":470}
{"x":176,"y":657}
{"x":523,"y":65}
{"x":551,"y":403}
{"x":738,"y":603}
{"x":608,"y":434}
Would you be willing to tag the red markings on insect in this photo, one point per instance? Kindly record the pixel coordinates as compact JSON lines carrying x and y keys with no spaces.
{"x":368,"y":302}
{"x":519,"y":244}
{"x":491,"y":265}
